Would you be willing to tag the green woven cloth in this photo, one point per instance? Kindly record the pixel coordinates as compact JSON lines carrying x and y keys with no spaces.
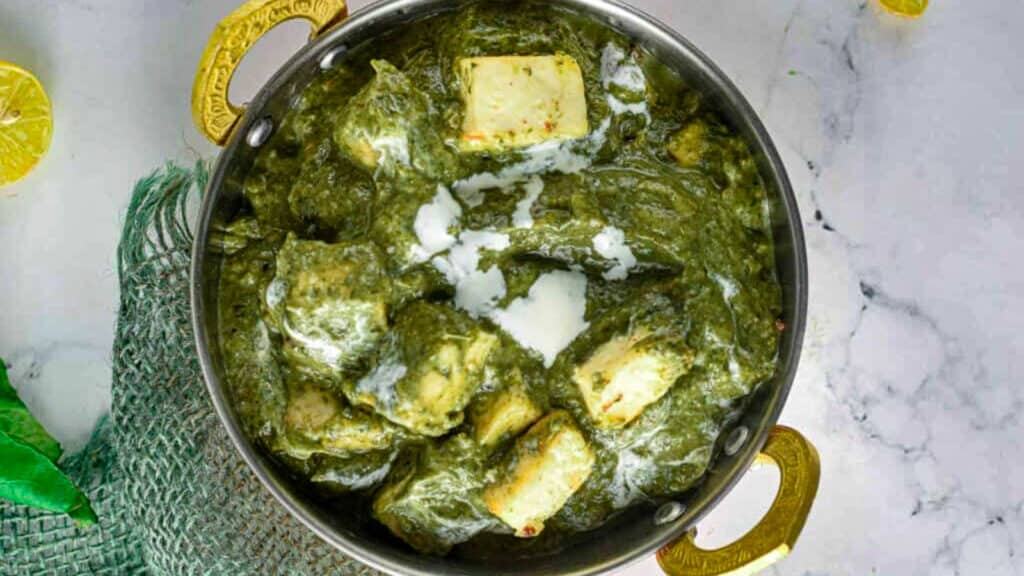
{"x":172,"y":495}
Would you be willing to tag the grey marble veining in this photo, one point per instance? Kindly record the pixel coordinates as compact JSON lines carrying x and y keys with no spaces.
{"x":904,"y":142}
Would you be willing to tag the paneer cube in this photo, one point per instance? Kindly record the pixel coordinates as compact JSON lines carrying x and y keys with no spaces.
{"x":432,"y":497}
{"x":316,"y":198}
{"x":430,"y":367}
{"x":690,"y":144}
{"x":378,"y":124}
{"x":329,"y":304}
{"x":504,"y":414}
{"x":515,"y":101}
{"x":548,"y":464}
{"x":628,"y":373}
{"x":318,"y":423}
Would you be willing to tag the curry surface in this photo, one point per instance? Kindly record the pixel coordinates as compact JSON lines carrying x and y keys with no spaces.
{"x":323,"y":226}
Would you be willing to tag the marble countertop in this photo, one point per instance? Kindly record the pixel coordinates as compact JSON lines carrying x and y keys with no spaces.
{"x":899,"y":136}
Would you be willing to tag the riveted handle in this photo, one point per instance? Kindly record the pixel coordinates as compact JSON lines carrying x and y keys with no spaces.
{"x":212,"y":112}
{"x":776,"y":534}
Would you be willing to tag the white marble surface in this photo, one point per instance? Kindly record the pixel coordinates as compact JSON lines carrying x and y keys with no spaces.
{"x":900,"y":138}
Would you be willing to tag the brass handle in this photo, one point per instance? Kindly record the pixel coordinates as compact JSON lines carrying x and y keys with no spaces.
{"x":776,"y":534}
{"x":213,"y":114}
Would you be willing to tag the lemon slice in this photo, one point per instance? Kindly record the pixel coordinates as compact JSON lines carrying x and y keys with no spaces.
{"x":26,"y":123}
{"x":910,"y":8}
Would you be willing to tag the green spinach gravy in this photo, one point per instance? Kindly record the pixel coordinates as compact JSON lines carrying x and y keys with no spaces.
{"x":497,"y":278}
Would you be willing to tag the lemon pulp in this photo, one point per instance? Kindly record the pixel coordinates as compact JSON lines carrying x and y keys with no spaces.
{"x":26,"y":123}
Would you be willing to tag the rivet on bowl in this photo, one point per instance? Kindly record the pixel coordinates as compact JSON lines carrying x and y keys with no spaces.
{"x":735,"y":440}
{"x":329,"y":59}
{"x":259,"y":132}
{"x":668,"y":512}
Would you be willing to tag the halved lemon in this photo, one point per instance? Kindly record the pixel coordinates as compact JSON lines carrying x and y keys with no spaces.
{"x":910,"y":8}
{"x":26,"y":123}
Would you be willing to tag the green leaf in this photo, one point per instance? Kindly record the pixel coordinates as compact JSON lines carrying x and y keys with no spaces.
{"x":18,"y":423}
{"x":29,"y":474}
{"x":30,"y":477}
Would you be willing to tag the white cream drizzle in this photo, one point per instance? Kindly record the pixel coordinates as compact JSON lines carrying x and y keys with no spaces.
{"x":433,"y":225}
{"x":619,"y":70}
{"x":610,"y":243}
{"x":523,"y":217}
{"x":476,"y":291}
{"x":551,"y":315}
{"x":622,"y":71}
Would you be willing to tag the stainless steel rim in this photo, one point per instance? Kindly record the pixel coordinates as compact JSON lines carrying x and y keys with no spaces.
{"x":611,"y":10}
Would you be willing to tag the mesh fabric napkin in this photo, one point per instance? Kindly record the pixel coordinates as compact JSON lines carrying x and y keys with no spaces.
{"x":172,"y":495}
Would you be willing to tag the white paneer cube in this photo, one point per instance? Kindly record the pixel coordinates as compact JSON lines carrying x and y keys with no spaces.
{"x":548,"y":464}
{"x":504,"y":415}
{"x":628,"y":373}
{"x":377,"y":123}
{"x":516,"y":101}
{"x":317,"y":423}
{"x":428,"y":370}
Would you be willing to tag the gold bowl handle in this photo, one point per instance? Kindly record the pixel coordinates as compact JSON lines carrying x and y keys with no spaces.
{"x":213,"y":114}
{"x":776,"y":533}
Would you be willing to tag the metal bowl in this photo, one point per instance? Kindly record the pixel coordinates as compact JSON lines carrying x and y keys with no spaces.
{"x":640,"y":531}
